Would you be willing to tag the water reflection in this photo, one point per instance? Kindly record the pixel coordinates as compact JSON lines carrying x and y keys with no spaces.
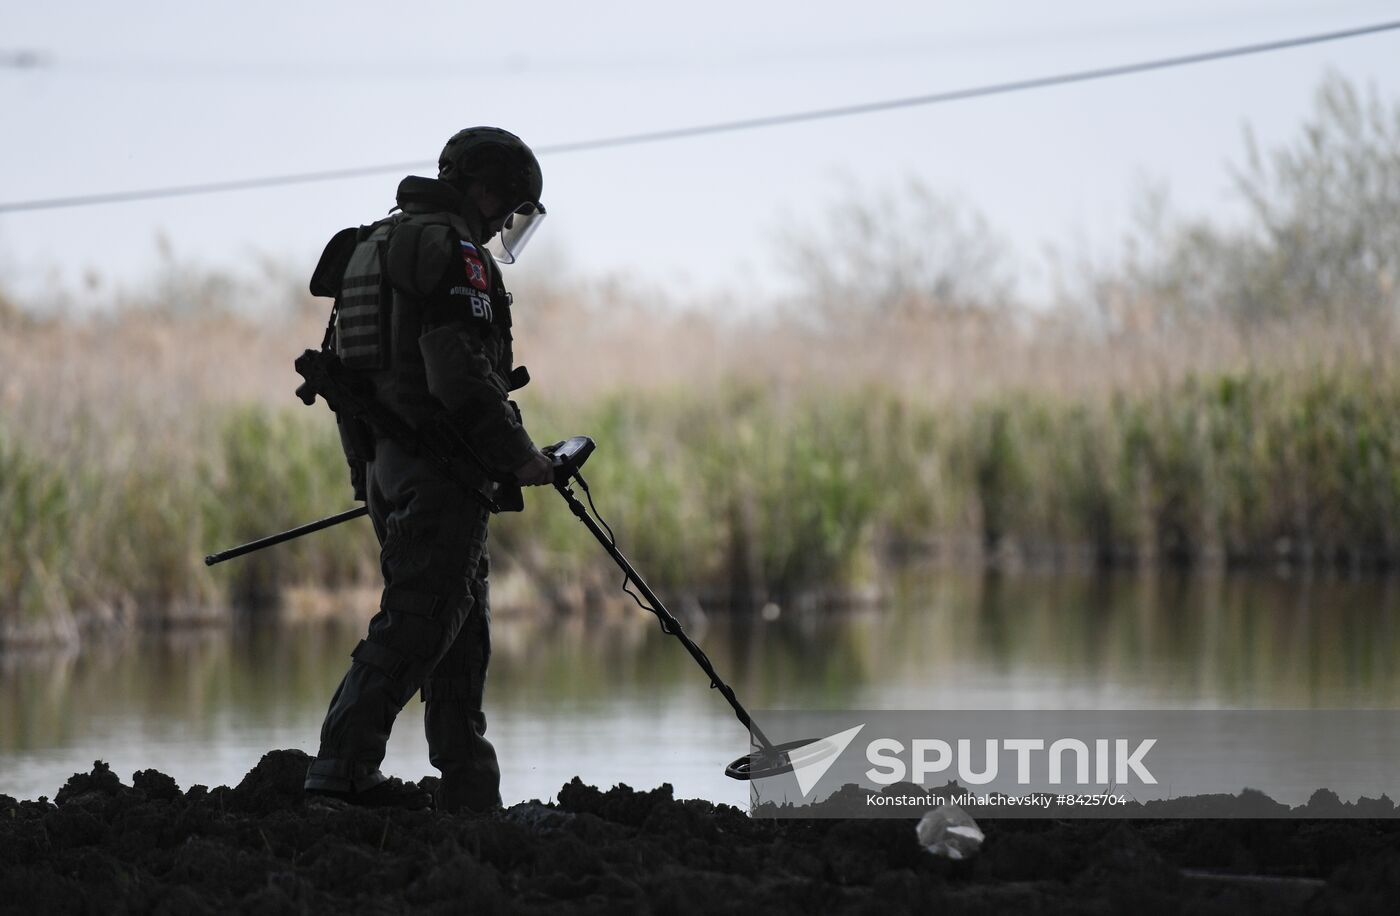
{"x":619,"y":701}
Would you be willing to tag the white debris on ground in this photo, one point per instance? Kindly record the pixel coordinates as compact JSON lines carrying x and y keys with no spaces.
{"x":950,"y":832}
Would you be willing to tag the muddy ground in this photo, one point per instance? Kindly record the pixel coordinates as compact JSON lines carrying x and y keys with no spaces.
{"x":108,"y":847}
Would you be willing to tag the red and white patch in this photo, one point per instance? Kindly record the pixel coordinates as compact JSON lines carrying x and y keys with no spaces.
{"x":476,"y":267}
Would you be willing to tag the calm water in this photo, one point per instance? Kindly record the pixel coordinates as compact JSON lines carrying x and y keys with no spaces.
{"x":620,"y":702}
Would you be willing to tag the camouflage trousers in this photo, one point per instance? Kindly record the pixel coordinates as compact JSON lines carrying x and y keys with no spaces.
{"x":431,"y":634}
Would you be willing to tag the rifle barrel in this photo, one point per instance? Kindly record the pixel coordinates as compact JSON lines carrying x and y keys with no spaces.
{"x":284,"y":536}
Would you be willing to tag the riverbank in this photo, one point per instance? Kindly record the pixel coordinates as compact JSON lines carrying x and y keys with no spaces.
{"x":763,"y":463}
{"x":204,"y":701}
{"x":737,"y":497}
{"x":259,"y":847}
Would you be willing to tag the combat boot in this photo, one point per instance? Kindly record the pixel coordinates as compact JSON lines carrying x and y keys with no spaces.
{"x":391,"y":793}
{"x":466,"y":796}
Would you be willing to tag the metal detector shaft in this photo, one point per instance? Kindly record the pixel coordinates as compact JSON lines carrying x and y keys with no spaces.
{"x":268,"y":541}
{"x":669,"y":623}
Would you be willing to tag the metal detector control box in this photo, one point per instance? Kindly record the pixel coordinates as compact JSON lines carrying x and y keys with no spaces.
{"x":570,"y":455}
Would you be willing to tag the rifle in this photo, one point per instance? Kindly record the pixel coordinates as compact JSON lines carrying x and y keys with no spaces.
{"x":568,"y":455}
{"x":324,"y":375}
{"x":438,"y":442}
{"x":272,"y":539}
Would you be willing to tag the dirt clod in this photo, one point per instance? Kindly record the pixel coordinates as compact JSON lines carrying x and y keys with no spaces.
{"x":259,"y":847}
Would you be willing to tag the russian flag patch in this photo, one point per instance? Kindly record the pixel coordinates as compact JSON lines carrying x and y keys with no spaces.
{"x":476,"y":267}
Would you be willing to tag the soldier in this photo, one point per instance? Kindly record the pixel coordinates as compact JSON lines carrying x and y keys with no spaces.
{"x":422,"y":315}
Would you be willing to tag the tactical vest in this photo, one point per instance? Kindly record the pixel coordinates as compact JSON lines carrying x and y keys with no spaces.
{"x":361,"y":332}
{"x":384,"y":277}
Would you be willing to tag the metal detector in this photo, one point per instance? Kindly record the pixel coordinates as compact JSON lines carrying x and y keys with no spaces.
{"x":569,"y":456}
{"x":770,"y":759}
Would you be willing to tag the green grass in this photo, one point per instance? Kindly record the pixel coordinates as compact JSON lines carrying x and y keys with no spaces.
{"x":753,"y":493}
{"x":36,"y":519}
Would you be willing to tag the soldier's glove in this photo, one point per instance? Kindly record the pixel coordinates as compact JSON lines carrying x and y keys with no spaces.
{"x":537,"y":471}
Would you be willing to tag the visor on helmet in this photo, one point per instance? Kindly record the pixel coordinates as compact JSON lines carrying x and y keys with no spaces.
{"x":516,"y":232}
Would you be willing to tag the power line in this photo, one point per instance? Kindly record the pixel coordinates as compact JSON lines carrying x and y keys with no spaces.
{"x":213,"y":187}
{"x":680,"y":133}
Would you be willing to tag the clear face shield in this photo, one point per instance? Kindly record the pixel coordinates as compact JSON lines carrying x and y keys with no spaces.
{"x":519,"y":226}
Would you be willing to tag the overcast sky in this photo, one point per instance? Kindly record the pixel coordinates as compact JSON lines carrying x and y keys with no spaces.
{"x":142,"y":94}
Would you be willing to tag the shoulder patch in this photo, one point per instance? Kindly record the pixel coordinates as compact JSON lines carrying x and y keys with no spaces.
{"x":476,"y":266}
{"x":473,"y":299}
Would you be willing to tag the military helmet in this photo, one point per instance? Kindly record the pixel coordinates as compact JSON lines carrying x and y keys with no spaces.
{"x":496,"y":157}
{"x":500,"y":160}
